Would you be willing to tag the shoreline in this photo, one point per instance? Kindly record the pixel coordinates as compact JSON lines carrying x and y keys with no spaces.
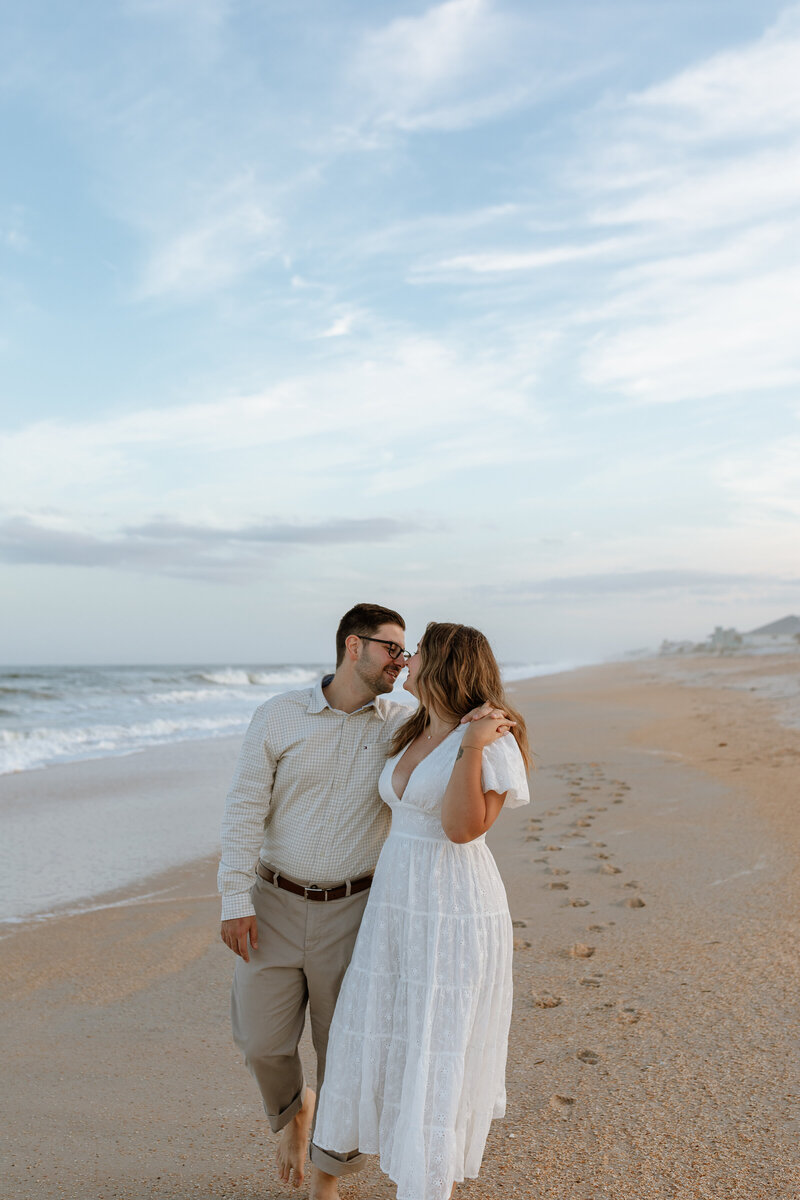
{"x":77,"y":833}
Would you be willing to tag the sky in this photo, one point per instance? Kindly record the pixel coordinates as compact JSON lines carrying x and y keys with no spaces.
{"x":483,"y":310}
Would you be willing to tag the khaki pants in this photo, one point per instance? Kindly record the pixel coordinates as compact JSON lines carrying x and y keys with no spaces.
{"x":304,"y":947}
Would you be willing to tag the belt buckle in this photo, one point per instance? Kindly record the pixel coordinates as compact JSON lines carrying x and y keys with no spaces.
{"x":312,"y":887}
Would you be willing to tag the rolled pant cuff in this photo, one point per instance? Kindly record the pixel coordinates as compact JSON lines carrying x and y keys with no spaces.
{"x":337,"y":1166}
{"x":276,"y":1123}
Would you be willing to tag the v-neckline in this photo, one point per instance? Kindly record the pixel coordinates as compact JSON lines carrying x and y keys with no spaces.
{"x":424,"y":758}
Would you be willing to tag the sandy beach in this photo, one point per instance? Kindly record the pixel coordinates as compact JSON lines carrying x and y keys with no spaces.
{"x":654,"y":885}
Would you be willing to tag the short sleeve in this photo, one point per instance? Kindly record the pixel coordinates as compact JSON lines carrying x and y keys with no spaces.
{"x":503,"y":770}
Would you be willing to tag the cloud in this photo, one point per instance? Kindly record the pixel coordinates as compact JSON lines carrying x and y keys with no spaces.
{"x":751,"y":91}
{"x":650,"y":584}
{"x":446,"y":69}
{"x":502,"y":262}
{"x":234,"y":235}
{"x":367,"y":529}
{"x":705,"y":191}
{"x":354,"y":411}
{"x":340,"y":327}
{"x":713,"y":337}
{"x":174,"y":548}
{"x":704,"y":169}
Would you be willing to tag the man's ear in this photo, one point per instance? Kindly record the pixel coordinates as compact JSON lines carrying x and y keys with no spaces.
{"x":351,"y":645}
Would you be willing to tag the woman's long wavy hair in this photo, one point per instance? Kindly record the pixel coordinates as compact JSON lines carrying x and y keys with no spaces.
{"x":457,"y":672}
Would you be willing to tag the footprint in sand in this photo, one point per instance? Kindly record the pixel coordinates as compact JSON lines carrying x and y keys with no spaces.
{"x":559,"y":871}
{"x":520,"y":924}
{"x":590,"y":981}
{"x":558,"y":886}
{"x":533,"y":837}
{"x":521,"y":944}
{"x":581,"y":950}
{"x":634,"y":902}
{"x":579,"y":903}
{"x":633,"y":883}
{"x":595,"y":928}
{"x":601,"y":855}
{"x":628,"y":1016}
{"x":561,"y":1103}
{"x":610,"y":869}
{"x":584,"y":822}
{"x":546,"y":999}
{"x":588,"y":1056}
{"x":600,"y":844}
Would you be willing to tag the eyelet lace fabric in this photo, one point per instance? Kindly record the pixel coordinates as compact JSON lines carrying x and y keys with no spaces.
{"x":416,"y":1058}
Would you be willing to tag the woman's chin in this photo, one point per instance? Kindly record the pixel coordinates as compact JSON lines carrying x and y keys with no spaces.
{"x":409,"y":687}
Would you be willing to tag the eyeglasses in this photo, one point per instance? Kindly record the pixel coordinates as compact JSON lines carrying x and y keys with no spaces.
{"x":392,"y":649}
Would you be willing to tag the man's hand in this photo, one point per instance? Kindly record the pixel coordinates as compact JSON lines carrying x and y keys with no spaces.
{"x":485,"y":710}
{"x":236,"y":932}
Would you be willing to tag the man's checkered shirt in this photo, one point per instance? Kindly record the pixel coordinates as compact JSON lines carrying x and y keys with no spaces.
{"x":304,"y":795}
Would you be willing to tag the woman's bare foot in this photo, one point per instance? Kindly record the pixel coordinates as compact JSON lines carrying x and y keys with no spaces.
{"x":293,"y":1143}
{"x":323,"y":1187}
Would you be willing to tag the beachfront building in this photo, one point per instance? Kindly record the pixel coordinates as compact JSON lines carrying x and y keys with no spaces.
{"x":777,"y":635}
{"x":724,"y":640}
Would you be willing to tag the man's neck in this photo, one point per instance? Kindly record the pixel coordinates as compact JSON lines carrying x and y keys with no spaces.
{"x":347,"y":693}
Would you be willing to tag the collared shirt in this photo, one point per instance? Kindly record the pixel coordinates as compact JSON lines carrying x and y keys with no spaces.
{"x":304,"y":795}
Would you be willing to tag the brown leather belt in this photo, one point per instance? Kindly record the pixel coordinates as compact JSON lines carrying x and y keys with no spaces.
{"x":350,"y":888}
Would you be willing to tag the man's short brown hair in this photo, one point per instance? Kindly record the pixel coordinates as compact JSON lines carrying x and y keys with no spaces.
{"x":364,"y":620}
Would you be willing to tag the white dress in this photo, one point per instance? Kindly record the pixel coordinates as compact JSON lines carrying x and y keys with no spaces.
{"x":415,"y":1069}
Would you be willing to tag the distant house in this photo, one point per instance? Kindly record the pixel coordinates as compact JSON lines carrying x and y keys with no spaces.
{"x":782,"y":630}
{"x":722,"y":640}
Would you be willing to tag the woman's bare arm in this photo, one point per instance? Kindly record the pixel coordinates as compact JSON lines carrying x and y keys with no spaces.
{"x":468,"y":811}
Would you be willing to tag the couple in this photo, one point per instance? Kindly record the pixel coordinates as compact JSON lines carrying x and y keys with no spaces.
{"x":413,"y":1060}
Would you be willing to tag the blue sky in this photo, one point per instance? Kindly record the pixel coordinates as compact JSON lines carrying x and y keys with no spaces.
{"x":484,"y":310}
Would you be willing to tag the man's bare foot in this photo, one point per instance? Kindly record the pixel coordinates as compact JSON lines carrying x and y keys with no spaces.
{"x":293,"y":1142}
{"x":323,"y":1187}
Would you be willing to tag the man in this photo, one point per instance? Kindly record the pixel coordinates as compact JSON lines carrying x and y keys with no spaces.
{"x":304,"y":812}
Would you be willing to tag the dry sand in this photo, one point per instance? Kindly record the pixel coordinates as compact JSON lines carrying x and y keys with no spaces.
{"x":653,"y":1053}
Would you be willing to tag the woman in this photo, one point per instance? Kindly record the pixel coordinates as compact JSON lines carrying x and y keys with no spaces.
{"x":416,"y":1057}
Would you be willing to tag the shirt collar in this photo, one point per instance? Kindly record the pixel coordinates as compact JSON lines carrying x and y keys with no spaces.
{"x":319,"y":701}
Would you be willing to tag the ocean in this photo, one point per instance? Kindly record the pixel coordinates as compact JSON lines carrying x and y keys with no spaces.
{"x":62,"y":714}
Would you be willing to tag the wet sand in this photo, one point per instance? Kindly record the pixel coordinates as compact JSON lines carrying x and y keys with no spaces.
{"x":654,"y":884}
